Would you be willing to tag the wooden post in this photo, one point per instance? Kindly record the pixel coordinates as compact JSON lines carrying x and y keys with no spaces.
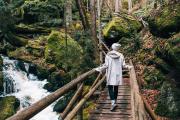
{"x":35,"y":108}
{"x":80,"y":112}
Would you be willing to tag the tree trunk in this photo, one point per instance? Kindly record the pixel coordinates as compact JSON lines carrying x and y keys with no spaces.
{"x":93,"y":27}
{"x":82,"y":14}
{"x":117,"y":6}
{"x":68,"y":12}
{"x":129,"y":5}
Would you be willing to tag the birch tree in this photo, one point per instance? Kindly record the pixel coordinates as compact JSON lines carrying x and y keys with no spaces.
{"x":68,"y":12}
{"x":129,"y":5}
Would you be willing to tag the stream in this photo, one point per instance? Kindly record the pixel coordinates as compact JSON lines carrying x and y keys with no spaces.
{"x":26,"y":87}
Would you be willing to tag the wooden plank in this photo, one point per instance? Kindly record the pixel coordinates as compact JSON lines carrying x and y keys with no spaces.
{"x":112,"y":115}
{"x":118,"y":102}
{"x":120,"y":106}
{"x":120,"y":94}
{"x":109,"y":118}
{"x":118,"y":97}
{"x":126,"y":111}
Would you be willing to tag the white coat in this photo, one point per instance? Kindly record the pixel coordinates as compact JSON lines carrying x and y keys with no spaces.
{"x":114,"y":62}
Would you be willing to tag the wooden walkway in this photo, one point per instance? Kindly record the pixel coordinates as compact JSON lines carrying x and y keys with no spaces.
{"x":123,"y":110}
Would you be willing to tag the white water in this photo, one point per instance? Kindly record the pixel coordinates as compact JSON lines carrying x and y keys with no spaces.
{"x":27,"y":89}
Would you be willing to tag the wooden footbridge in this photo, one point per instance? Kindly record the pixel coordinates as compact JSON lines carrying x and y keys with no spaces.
{"x":131,"y":105}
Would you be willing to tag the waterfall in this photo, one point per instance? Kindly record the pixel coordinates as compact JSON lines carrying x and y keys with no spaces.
{"x":26,"y":87}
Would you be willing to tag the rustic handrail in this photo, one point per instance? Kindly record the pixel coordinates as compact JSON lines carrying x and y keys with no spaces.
{"x":35,"y":108}
{"x":71,"y":115}
{"x":105,"y":46}
{"x":138,"y":110}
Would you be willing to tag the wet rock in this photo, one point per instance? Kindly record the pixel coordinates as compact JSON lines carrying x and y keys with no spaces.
{"x":62,"y":103}
{"x":55,"y":81}
{"x":8,"y":106}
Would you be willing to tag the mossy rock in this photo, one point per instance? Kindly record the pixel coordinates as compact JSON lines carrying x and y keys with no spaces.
{"x":64,"y":55}
{"x":55,"y":81}
{"x":120,"y":27}
{"x":169,"y":101}
{"x":167,"y":22}
{"x":1,"y":75}
{"x":37,"y":47}
{"x":38,"y":70}
{"x":63,"y":102}
{"x":8,"y":106}
{"x":15,"y":40}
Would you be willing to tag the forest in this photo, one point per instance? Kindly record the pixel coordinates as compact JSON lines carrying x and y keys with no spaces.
{"x":44,"y":44}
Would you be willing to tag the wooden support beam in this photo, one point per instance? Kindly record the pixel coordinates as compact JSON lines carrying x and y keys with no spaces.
{"x":80,"y":111}
{"x":97,"y":79}
{"x":72,"y":102}
{"x":71,"y":115}
{"x":35,"y":108}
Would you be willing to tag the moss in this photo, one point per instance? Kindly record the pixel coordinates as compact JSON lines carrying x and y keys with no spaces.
{"x":120,"y":27}
{"x":8,"y":106}
{"x":167,"y":22}
{"x":89,"y":106}
{"x":63,"y":56}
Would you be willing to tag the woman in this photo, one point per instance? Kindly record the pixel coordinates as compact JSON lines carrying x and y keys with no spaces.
{"x":114,"y":62}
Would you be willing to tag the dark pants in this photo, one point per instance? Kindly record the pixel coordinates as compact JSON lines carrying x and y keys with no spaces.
{"x":113,"y":92}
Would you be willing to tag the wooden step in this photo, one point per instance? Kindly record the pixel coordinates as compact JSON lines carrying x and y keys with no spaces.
{"x":119,"y":106}
{"x":106,"y":97}
{"x":109,"y":101}
{"x":109,"y":117}
{"x":116,"y":110}
{"x":112,"y":113}
{"x":119,"y":94}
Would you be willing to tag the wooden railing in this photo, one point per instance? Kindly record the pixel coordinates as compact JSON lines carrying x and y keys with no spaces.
{"x":140,"y":107}
{"x":35,"y":108}
{"x":138,"y":110}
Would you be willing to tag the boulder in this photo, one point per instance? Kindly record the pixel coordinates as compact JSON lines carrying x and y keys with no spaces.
{"x":64,"y":54}
{"x":8,"y":106}
{"x":119,"y":27}
{"x":168,"y":102}
{"x":166,"y":22}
